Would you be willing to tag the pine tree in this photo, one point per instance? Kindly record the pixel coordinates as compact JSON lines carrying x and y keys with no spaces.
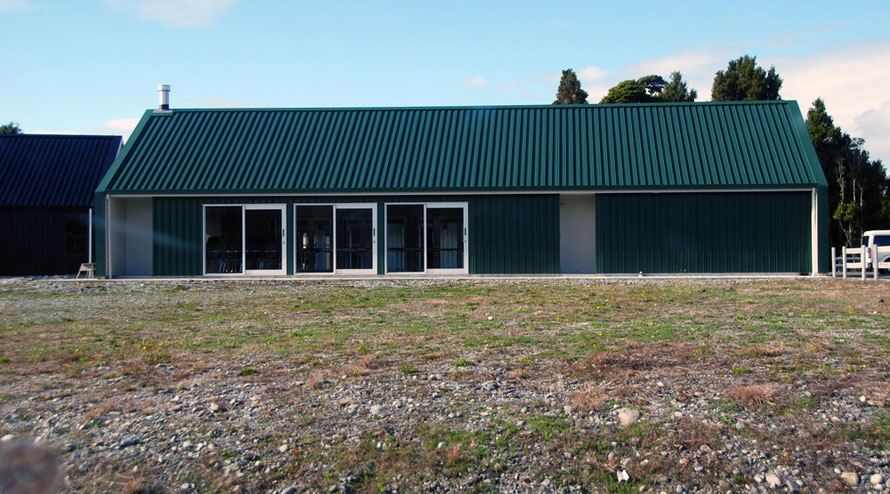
{"x":676,"y":91}
{"x":744,"y":80}
{"x":569,"y":91}
{"x":10,"y":128}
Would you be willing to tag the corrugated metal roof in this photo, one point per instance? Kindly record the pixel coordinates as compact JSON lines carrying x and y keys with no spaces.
{"x":40,"y":170}
{"x":639,"y":146}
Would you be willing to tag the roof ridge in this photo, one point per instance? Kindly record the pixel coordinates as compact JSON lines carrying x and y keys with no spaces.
{"x":481,"y":107}
{"x":24,"y":134}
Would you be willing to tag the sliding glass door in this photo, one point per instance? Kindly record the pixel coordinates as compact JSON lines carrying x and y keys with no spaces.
{"x":264,"y":239}
{"x":223,"y":240}
{"x":244,"y":239}
{"x":336,"y":238}
{"x":426,"y":238}
{"x":446,"y":237}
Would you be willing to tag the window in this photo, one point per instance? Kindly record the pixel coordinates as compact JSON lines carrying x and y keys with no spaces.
{"x":429,"y":237}
{"x":315,"y":239}
{"x":223,"y":239}
{"x":335,"y":238}
{"x":355,"y":239}
{"x":445,"y":237}
{"x":244,"y":239}
{"x":404,"y":238}
{"x":263,"y":229}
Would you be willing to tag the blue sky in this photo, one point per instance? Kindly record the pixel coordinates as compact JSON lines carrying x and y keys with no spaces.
{"x":92,"y":66}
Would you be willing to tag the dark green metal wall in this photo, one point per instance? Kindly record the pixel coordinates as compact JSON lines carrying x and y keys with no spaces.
{"x":507,"y":234}
{"x":704,"y":232}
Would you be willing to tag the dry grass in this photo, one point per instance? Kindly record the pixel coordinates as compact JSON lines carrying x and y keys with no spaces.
{"x":589,"y":399}
{"x":635,"y":358}
{"x":316,"y":380}
{"x":453,"y":454}
{"x":761,"y":351}
{"x":517,"y":373}
{"x":627,"y":393}
{"x":757,"y":394}
{"x":101,"y":409}
{"x":133,"y":486}
{"x":692,"y":434}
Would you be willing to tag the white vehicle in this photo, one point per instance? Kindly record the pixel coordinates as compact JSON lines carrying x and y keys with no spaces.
{"x":879,"y":239}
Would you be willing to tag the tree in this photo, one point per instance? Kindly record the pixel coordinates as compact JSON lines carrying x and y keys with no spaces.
{"x":569,"y":91}
{"x":650,"y":89}
{"x":676,"y":91}
{"x":10,"y":128}
{"x":744,"y":80}
{"x":653,"y":84}
{"x":857,"y":186}
{"x":629,"y":91}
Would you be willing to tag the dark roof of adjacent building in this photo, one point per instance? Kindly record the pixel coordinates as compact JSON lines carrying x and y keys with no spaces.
{"x":42,"y":170}
{"x":579,"y":147}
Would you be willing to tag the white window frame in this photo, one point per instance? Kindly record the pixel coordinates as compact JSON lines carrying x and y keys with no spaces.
{"x":426,"y":207}
{"x":340,"y":205}
{"x":244,"y":271}
{"x":466,"y":237}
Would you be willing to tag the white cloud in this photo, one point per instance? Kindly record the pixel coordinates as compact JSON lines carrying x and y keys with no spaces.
{"x":591,"y":74}
{"x":11,"y":6}
{"x":177,"y":14}
{"x":474,"y":81}
{"x":117,"y":126}
{"x":587,"y":75}
{"x":852,"y":82}
{"x":875,"y":124}
{"x":686,"y":62}
{"x":851,"y":79}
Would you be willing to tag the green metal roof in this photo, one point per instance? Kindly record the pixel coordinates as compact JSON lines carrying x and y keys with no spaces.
{"x":638,"y":146}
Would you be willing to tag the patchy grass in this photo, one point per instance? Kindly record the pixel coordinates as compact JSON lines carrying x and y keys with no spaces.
{"x":778,"y":348}
{"x":762,"y":320}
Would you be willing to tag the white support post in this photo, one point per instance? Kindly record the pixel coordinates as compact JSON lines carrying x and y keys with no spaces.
{"x":844,"y":262}
{"x":90,"y":237}
{"x":862,"y":258}
{"x":874,"y":260}
{"x":834,"y":262}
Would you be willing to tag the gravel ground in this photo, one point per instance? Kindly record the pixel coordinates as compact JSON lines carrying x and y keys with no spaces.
{"x":804,"y":412}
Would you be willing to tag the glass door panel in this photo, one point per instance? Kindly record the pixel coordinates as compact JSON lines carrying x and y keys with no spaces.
{"x":355,"y":239}
{"x":404,"y":238}
{"x":223,"y":246}
{"x":264,"y":245}
{"x":445,"y":238}
{"x":315,"y":239}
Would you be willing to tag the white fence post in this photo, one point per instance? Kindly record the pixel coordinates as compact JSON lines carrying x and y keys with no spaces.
{"x":844,"y":262}
{"x":862,"y":251}
{"x":833,"y":262}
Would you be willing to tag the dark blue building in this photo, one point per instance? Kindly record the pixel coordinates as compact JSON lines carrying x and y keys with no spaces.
{"x":46,"y":195}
